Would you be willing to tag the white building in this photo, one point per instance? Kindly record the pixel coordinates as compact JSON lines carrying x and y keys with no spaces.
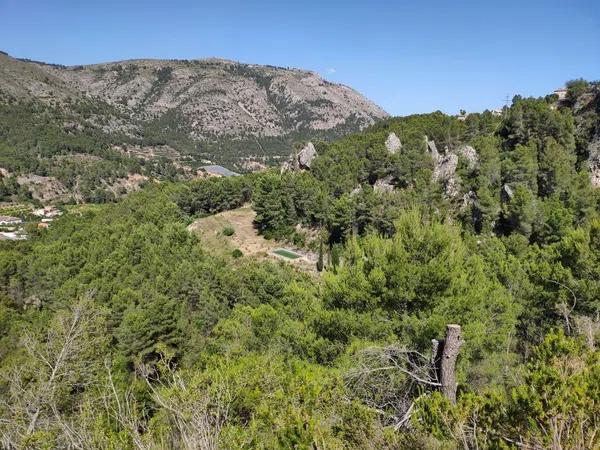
{"x":9,"y":220}
{"x":48,"y":211}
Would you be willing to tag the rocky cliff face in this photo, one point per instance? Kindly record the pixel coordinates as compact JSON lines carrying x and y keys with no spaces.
{"x":199,"y":102}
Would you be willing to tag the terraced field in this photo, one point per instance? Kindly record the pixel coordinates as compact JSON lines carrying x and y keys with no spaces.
{"x":245,"y":237}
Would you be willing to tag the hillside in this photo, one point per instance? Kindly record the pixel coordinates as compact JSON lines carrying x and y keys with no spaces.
{"x":165,"y":320}
{"x":218,"y":109}
{"x":92,"y":133}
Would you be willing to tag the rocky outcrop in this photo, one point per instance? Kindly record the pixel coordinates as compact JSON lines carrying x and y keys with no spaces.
{"x":44,"y":189}
{"x":393,"y":144}
{"x":444,"y":168}
{"x":594,"y":160}
{"x":432,"y":148}
{"x":469,"y":154}
{"x":306,"y":156}
{"x":507,"y":193}
{"x":383,"y":185}
{"x":356,"y":191}
{"x":208,"y":99}
{"x":301,"y":160}
{"x":446,"y":163}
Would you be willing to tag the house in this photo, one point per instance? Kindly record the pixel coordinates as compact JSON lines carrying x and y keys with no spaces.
{"x":47,"y":211}
{"x":9,"y":220}
{"x":12,"y":236}
{"x":561,"y":93}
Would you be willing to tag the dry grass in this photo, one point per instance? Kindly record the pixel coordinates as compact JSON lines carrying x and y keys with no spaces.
{"x":246,"y":238}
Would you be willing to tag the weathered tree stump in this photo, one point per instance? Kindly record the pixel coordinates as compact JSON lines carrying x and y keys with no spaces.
{"x":443,"y":360}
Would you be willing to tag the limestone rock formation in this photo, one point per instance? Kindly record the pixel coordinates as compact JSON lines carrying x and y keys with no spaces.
{"x":306,"y":156}
{"x":445,"y":164}
{"x":383,"y":185}
{"x":357,"y":190}
{"x":594,"y":160}
{"x":469,"y":154}
{"x":392,"y":143}
{"x":507,"y":192}
{"x":204,"y":100}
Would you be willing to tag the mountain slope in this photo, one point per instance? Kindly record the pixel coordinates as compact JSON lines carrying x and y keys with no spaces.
{"x":220,"y":109}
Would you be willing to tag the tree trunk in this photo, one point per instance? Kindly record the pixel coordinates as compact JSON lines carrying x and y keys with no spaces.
{"x":443,"y":358}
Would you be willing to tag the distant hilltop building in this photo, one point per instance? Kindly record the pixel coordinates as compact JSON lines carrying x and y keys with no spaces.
{"x":218,"y":171}
{"x":561,"y":93}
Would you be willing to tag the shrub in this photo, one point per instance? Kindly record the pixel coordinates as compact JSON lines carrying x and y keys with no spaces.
{"x":228,"y":231}
{"x":237,"y":253}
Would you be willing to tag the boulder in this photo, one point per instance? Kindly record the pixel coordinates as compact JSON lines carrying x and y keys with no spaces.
{"x":357,"y":190}
{"x":432,"y":148}
{"x":594,"y":160}
{"x":393,"y":144}
{"x":383,"y":185}
{"x":507,"y":192}
{"x":306,"y":156}
{"x":469,"y":199}
{"x":469,"y":154}
{"x":286,"y":167}
{"x":445,"y":167}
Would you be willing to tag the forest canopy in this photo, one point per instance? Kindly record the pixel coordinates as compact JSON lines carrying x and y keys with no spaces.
{"x":120,"y":328}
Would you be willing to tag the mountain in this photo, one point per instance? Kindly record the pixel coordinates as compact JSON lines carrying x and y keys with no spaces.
{"x":217,"y":109}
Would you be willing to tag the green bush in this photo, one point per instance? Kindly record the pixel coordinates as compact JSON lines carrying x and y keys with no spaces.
{"x":228,"y":231}
{"x":237,"y":253}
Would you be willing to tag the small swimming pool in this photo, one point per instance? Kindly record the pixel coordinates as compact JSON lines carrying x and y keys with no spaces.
{"x":286,"y":253}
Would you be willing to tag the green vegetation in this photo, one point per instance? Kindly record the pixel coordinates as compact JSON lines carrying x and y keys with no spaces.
{"x":63,"y":142}
{"x":120,"y":329}
{"x":228,"y":231}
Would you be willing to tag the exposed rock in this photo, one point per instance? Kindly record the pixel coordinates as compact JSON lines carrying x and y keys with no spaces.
{"x":211,"y":99}
{"x":594,"y":160}
{"x":451,"y":186}
{"x":393,"y":143}
{"x":72,"y":127}
{"x":33,"y":301}
{"x":431,"y":147}
{"x":444,"y":171}
{"x":469,"y":154}
{"x":306,"y":156}
{"x":44,"y":189}
{"x":384,"y":185}
{"x":286,"y":167}
{"x":445,"y":164}
{"x":507,"y":192}
{"x":357,"y":190}
{"x":468,"y":199}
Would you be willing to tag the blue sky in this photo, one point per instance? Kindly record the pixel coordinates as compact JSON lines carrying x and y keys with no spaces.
{"x":407,"y":56}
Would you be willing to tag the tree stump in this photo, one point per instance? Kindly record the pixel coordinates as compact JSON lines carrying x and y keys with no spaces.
{"x":443,"y":360}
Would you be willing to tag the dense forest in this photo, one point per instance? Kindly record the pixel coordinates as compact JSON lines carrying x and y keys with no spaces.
{"x":121,"y":329}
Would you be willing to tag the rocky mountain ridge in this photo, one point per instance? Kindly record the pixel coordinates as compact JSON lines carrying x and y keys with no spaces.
{"x":197,"y":103}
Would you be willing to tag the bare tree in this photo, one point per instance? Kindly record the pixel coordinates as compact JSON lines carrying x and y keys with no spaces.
{"x":196,"y":411}
{"x":61,"y":361}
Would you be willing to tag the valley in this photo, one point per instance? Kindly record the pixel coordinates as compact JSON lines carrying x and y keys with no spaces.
{"x":363,"y":282}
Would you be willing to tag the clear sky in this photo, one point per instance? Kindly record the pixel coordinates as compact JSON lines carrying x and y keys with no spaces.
{"x":407,"y":56}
